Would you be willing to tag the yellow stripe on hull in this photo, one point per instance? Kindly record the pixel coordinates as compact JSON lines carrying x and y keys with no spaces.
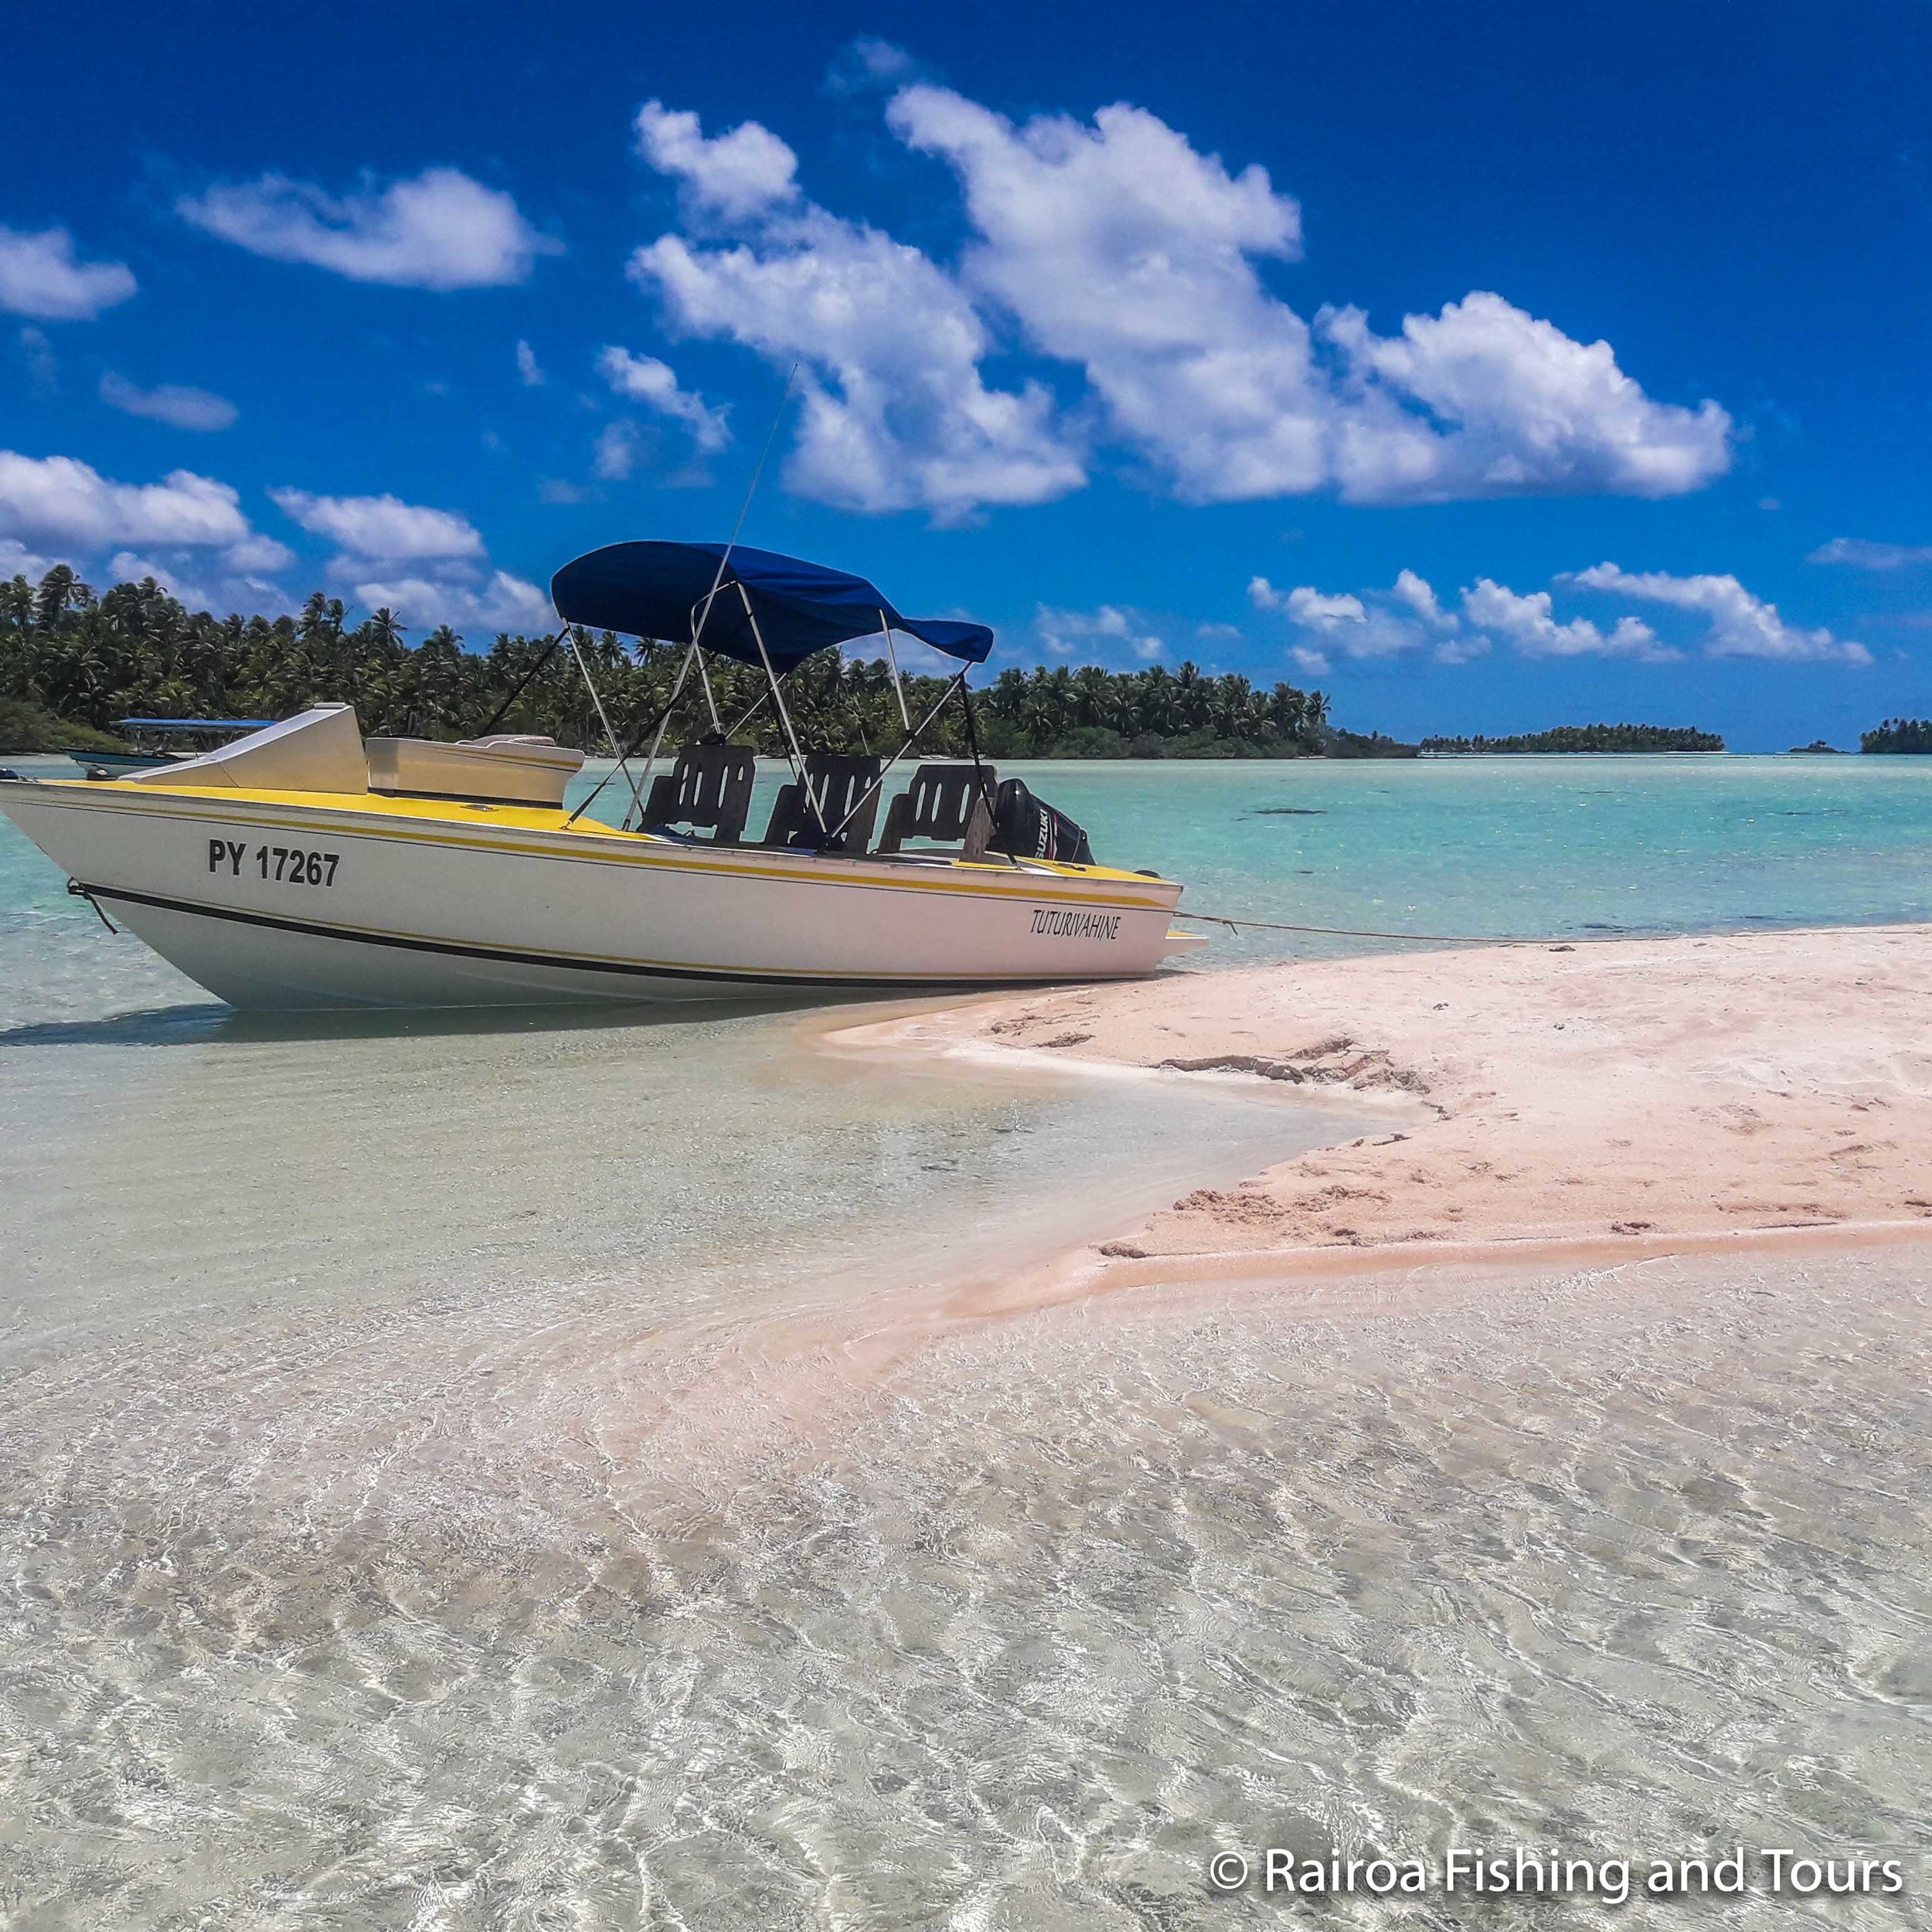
{"x":445,"y":823}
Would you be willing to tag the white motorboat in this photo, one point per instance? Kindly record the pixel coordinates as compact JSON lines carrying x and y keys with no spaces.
{"x":303,"y":866}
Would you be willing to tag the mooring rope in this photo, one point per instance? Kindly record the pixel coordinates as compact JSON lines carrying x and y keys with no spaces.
{"x":1425,"y":939}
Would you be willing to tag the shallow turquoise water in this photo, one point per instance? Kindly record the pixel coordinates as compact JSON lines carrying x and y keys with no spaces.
{"x":534,"y":1470}
{"x":1521,"y":846}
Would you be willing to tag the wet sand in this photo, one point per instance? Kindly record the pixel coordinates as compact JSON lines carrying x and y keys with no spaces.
{"x":1548,"y":1104}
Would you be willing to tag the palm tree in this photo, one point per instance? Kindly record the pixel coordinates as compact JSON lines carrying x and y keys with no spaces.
{"x":60,"y":591}
{"x":384,"y":629}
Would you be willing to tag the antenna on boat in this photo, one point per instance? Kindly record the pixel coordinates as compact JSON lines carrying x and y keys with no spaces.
{"x":751,"y":617}
{"x":772,"y":434}
{"x":697,"y":631}
{"x":751,"y":490}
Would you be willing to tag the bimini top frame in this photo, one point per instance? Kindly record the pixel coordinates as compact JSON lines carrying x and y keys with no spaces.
{"x":758,"y":608}
{"x":782,"y":609}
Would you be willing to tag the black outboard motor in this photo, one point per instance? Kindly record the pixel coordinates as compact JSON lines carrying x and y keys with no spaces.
{"x":1025,"y":827}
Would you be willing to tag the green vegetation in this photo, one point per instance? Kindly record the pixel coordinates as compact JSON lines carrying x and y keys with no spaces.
{"x":1355,"y":744}
{"x":1899,"y":734}
{"x":1155,"y":713}
{"x":1596,"y":737}
{"x":25,"y":727}
{"x":70,"y":662}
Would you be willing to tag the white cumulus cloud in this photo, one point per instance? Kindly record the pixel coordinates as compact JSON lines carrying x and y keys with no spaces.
{"x":232,"y":586}
{"x":438,"y":230}
{"x":1528,"y":621}
{"x":1410,"y":616}
{"x":1117,"y":249}
{"x":644,"y":378}
{"x":1356,"y":627}
{"x":382,"y":527}
{"x":1485,"y":400}
{"x":1739,"y":624}
{"x":867,"y":63}
{"x":1420,"y":595}
{"x":429,"y":566}
{"x":1107,"y":630}
{"x":1307,"y":605}
{"x":180,"y":407}
{"x":187,"y":531}
{"x":497,"y":602}
{"x":896,"y":414}
{"x":616,"y":455}
{"x":742,"y":171}
{"x":60,"y":500}
{"x":16,"y":560}
{"x":41,"y":276}
{"x":529,"y":371}
{"x":1121,"y":248}
{"x":37,"y":352}
{"x":1864,"y":554}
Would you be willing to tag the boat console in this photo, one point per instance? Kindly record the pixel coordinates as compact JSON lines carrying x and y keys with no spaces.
{"x":508,"y":769}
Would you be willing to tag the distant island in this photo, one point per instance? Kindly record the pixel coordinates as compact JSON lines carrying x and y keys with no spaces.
{"x":71,"y":663}
{"x":1595,"y":737}
{"x":1899,"y":734}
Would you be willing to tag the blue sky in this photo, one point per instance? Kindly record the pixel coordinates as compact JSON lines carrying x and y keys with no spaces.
{"x":1490,"y":368}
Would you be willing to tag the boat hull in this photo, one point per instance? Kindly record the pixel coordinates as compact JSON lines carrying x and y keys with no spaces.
{"x":297,"y":902}
{"x":115,"y":763}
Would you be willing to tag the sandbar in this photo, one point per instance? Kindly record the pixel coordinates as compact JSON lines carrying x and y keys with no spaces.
{"x":1623,"y":1098}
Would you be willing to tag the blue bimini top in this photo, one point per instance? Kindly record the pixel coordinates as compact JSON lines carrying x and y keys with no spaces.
{"x":663,"y":590}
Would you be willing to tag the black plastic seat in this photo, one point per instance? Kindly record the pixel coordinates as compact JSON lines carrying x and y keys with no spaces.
{"x":844,"y":786}
{"x":708,"y":788}
{"x":946,"y":803}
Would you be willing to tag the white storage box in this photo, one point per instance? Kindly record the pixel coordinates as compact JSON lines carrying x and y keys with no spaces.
{"x":504,"y":770}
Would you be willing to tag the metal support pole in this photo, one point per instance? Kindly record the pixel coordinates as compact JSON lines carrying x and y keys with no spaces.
{"x":891,"y":657}
{"x":604,"y":716}
{"x":543,"y":657}
{"x":711,"y":703}
{"x":662,"y":718}
{"x":912,"y":738}
{"x":784,"y":716}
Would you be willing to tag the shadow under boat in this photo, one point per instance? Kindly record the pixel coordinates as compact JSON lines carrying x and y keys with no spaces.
{"x":198,"y":1024}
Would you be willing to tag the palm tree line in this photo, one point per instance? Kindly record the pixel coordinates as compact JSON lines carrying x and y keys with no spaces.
{"x":1588,"y":738}
{"x":1899,"y":734}
{"x":69,"y":659}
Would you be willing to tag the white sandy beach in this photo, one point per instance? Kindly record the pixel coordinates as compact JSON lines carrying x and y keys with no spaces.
{"x":1626,"y":1096}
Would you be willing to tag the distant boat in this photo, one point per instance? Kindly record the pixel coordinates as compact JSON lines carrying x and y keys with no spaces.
{"x":152,"y":742}
{"x":305,"y":866}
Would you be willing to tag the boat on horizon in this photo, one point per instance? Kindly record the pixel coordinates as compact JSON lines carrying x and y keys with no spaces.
{"x":154,"y":742}
{"x":305,"y":866}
